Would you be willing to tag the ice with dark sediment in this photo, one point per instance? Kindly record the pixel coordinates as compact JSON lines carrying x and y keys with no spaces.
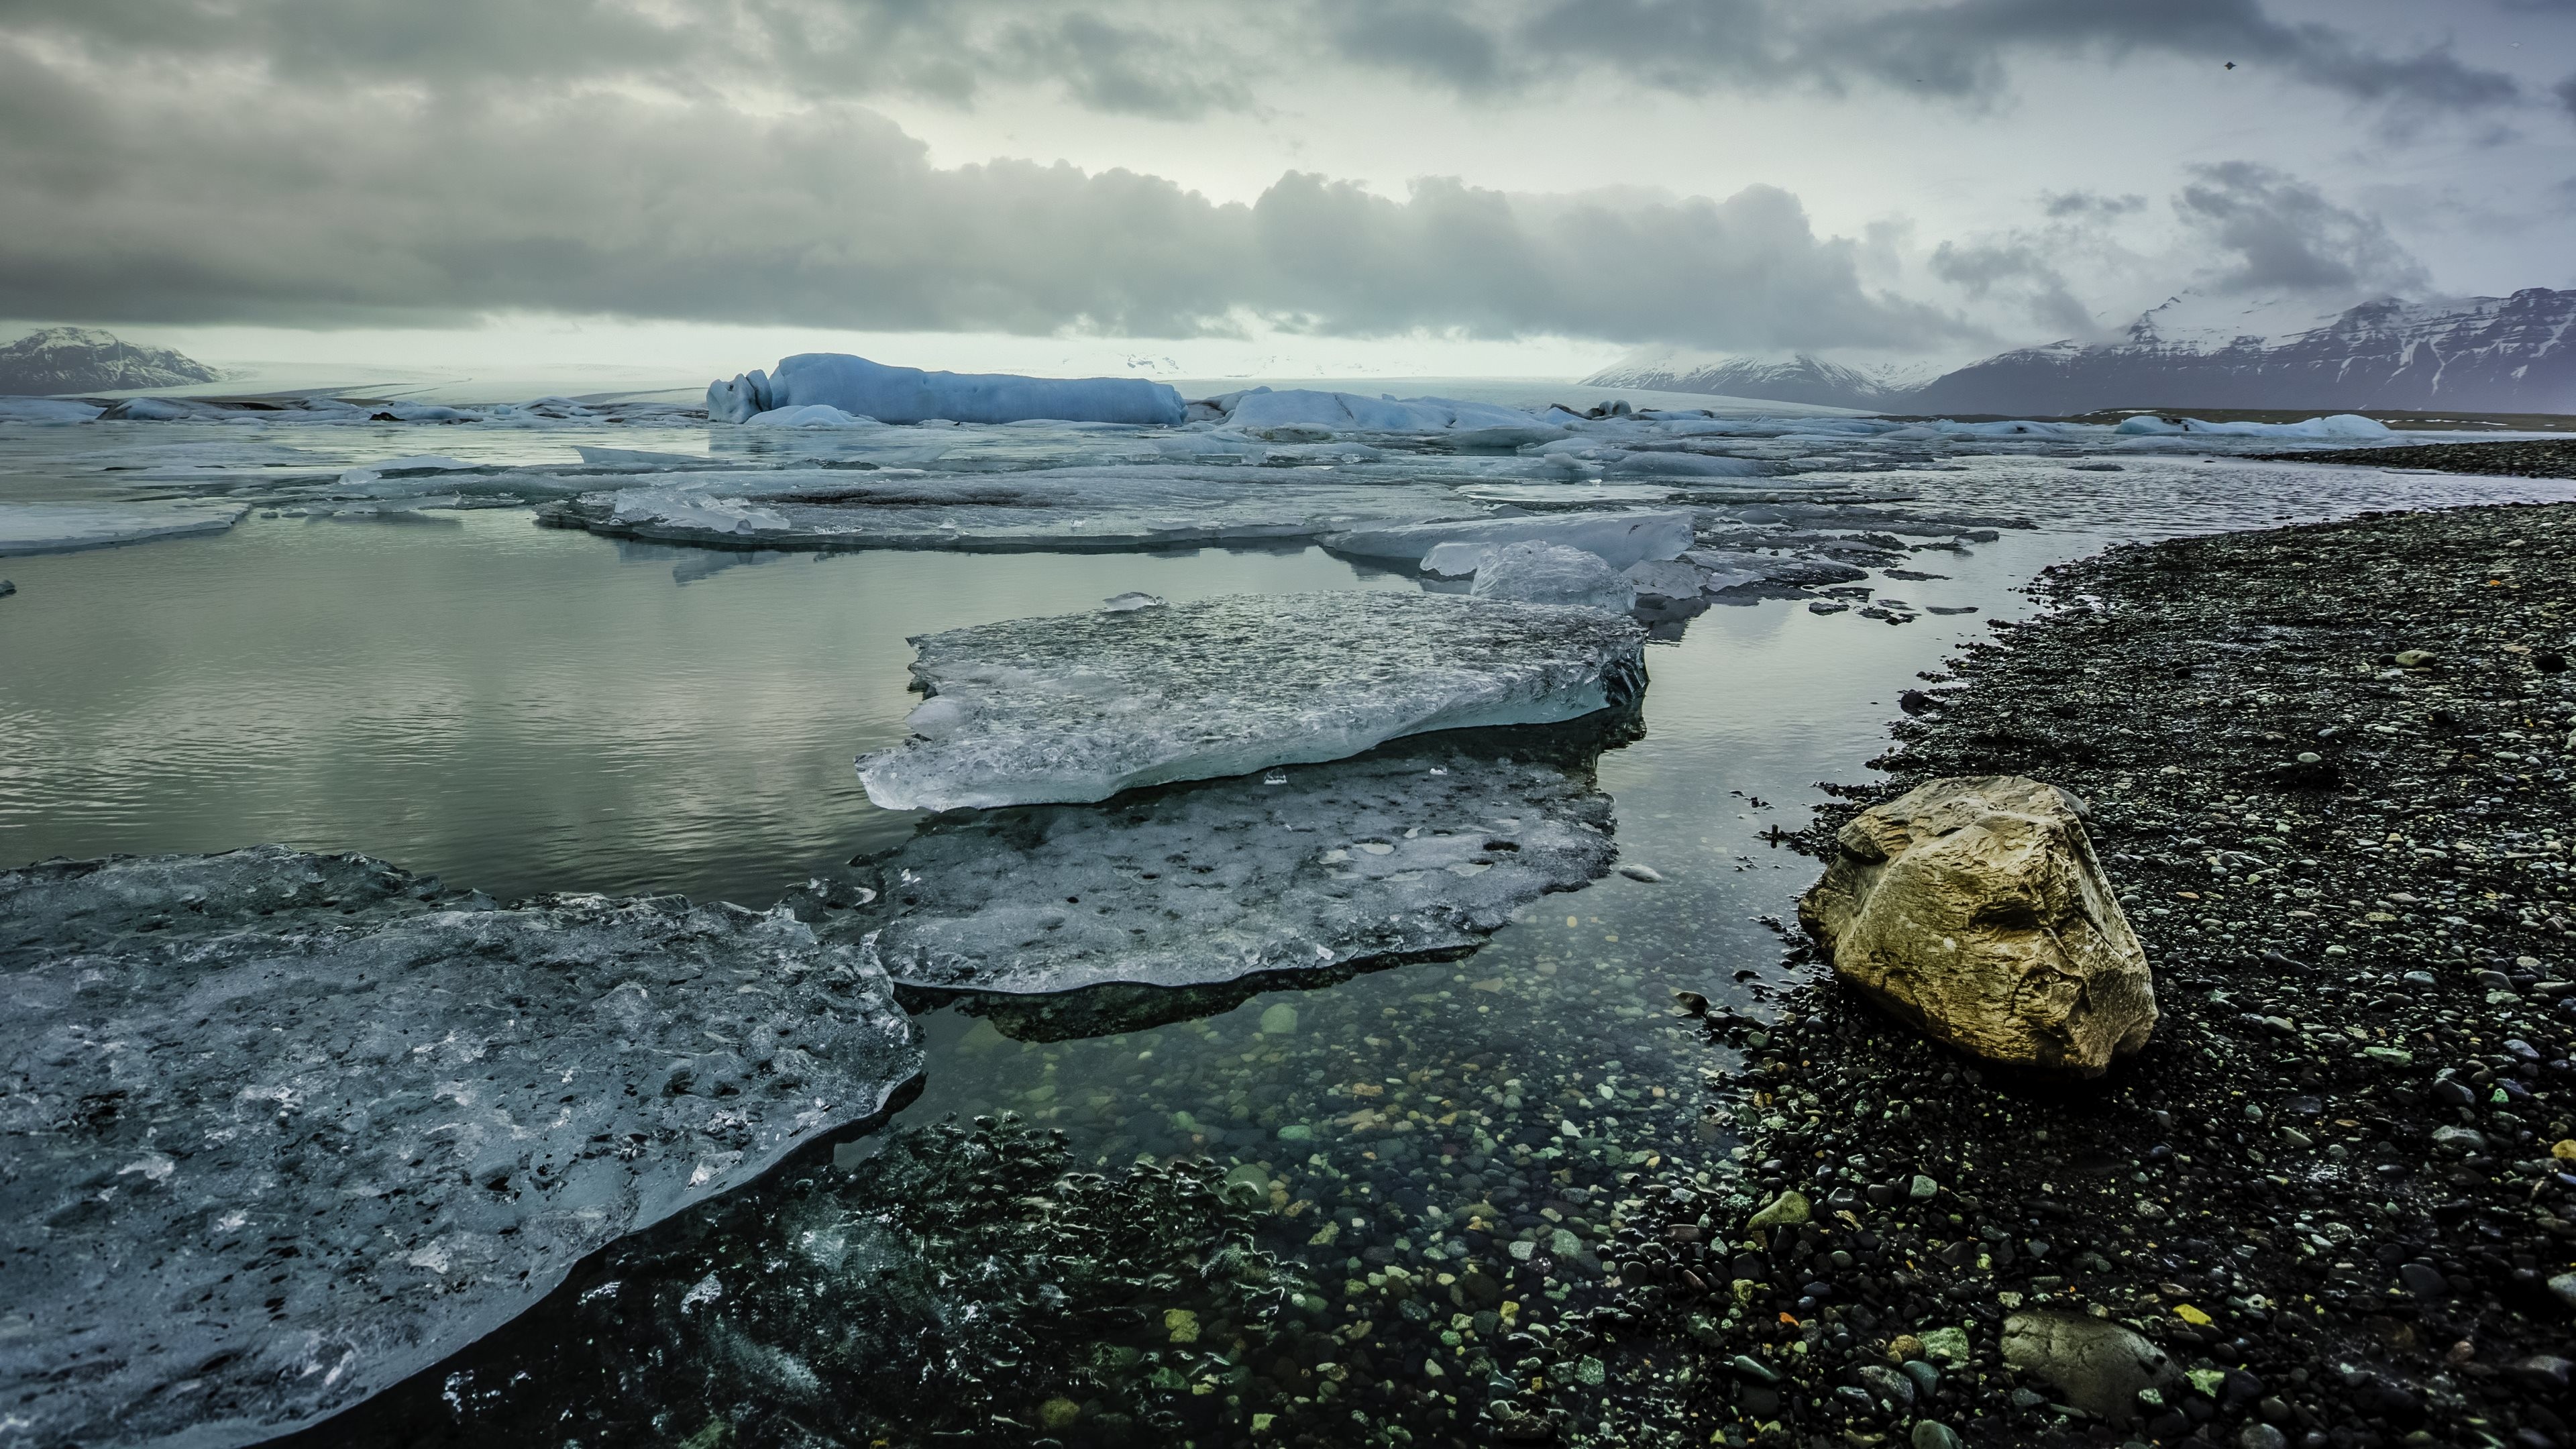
{"x":282,"y":1129}
{"x":1080,"y":707}
{"x":1427,"y":844}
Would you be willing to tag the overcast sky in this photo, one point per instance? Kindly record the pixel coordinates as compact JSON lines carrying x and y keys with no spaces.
{"x":1321,"y":186}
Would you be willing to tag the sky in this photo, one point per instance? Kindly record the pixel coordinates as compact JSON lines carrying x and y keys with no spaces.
{"x":1304,"y":188}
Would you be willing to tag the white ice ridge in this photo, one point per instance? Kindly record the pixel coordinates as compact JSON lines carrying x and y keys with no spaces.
{"x":64,"y":527}
{"x":864,"y":389}
{"x":1296,"y":414}
{"x":1080,"y":707}
{"x":1620,"y":539}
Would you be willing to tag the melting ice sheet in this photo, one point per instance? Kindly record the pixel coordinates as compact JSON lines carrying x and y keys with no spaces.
{"x":64,"y":527}
{"x":283,"y":1129}
{"x":1425,"y":845}
{"x":1082,"y":706}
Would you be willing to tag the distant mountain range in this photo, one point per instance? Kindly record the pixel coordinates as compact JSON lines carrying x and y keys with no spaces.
{"x":2479,"y":354}
{"x":85,"y":360}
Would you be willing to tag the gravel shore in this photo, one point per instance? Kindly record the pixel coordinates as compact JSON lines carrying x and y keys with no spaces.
{"x":2329,"y":1204}
{"x":2543,"y":458}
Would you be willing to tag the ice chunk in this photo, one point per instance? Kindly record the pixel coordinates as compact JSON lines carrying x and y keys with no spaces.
{"x":1427,"y":844}
{"x":2341,"y":425}
{"x":441,"y":1106}
{"x":1545,"y":573}
{"x":1620,"y":539}
{"x":677,"y":509}
{"x":45,"y":410}
{"x":65,"y":527}
{"x":864,"y":389}
{"x":1082,"y":706}
{"x":811,"y":415}
{"x":1667,"y":579}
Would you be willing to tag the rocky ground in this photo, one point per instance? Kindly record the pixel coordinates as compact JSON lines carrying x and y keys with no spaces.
{"x":2549,"y":458}
{"x":2329,"y":1203}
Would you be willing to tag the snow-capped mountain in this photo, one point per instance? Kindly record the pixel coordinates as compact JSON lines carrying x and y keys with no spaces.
{"x":1798,"y":378}
{"x":2475,"y":354}
{"x":2480,"y":354}
{"x":86,"y":360}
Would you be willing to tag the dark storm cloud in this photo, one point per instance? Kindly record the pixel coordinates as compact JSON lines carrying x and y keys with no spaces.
{"x":2279,"y":234}
{"x":155,"y":208}
{"x":1956,"y":51}
{"x":1169,"y":58}
{"x":1116,"y":56}
{"x":2022,"y":271}
{"x":2566,"y":93}
{"x":2089,"y":204}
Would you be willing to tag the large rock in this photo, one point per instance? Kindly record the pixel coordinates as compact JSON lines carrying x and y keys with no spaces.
{"x":279,"y":1130}
{"x":2097,"y":1365}
{"x":1975,"y":908}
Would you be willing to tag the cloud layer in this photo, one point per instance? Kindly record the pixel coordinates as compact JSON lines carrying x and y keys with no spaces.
{"x":831,"y":216}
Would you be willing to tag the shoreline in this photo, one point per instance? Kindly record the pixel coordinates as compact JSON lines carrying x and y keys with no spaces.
{"x":2326,"y":1190}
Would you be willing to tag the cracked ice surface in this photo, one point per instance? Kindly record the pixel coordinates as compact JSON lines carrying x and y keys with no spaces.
{"x":1079,"y":707}
{"x":283,"y":1129}
{"x":1428,"y":844}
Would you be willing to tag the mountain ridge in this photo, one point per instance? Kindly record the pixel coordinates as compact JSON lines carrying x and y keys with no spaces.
{"x":2481,"y":354}
{"x":55,"y":360}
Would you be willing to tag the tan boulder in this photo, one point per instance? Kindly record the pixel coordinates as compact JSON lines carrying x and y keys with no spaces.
{"x":1974,"y":908}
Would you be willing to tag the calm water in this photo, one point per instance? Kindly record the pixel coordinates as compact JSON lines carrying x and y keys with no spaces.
{"x":527,"y":709}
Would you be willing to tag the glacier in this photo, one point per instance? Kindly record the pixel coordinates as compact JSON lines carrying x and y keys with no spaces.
{"x":1080,"y":707}
{"x":1545,"y":573}
{"x":1426,"y":844}
{"x":860,"y":388}
{"x":27,"y":528}
{"x":286,"y":1128}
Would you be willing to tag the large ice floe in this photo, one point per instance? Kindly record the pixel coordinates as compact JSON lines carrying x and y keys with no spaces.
{"x":65,"y":527}
{"x":1458,"y":546}
{"x":859,"y":388}
{"x":281,"y":1129}
{"x":1079,"y":707}
{"x":1427,"y":844}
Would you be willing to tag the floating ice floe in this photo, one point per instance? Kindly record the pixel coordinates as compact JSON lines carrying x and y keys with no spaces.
{"x":2340,"y":425}
{"x":683,"y":512}
{"x":860,"y":388}
{"x":284,"y":1129}
{"x":1156,"y":506}
{"x":1545,"y":573}
{"x":46,"y":410}
{"x":811,"y":415}
{"x":1080,"y":707}
{"x":1457,"y":547}
{"x":1427,"y":844}
{"x":66,"y":527}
